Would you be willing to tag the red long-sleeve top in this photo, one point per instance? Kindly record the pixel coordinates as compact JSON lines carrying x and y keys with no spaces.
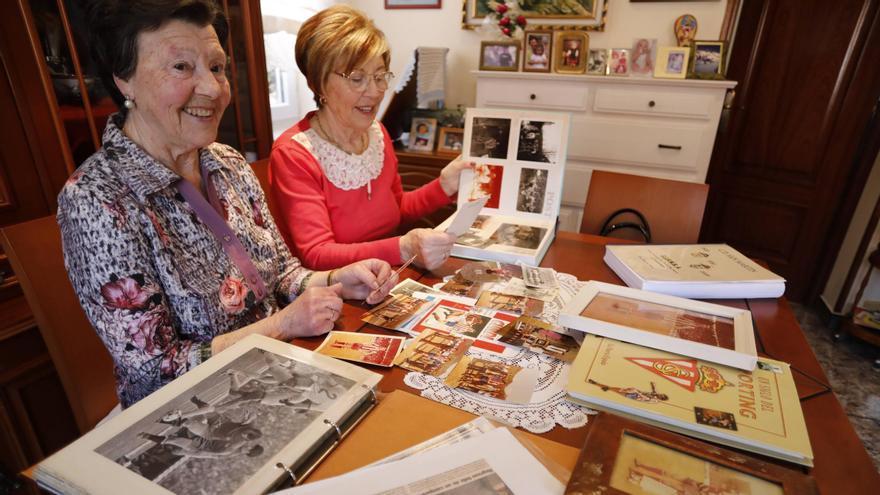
{"x":328,"y":227}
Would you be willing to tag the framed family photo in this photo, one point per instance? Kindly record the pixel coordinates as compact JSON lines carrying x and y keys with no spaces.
{"x":450,"y":141}
{"x":642,"y":57}
{"x":618,"y":62}
{"x":413,"y":4}
{"x":636,"y":455}
{"x":707,"y":60}
{"x":570,"y":52}
{"x":538,"y":47}
{"x":597,"y":62}
{"x":547,"y":14}
{"x":672,"y":62}
{"x":422,"y":134}
{"x":499,"y":55}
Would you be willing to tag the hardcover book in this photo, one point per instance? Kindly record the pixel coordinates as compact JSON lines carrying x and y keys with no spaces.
{"x":246,"y":420}
{"x":756,"y":411}
{"x":699,"y":329}
{"x":698,"y":271}
{"x":520,"y":162}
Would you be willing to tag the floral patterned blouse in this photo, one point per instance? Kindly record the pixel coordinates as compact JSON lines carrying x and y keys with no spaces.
{"x":151,"y":277}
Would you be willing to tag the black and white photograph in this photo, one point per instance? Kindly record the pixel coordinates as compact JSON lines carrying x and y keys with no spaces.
{"x":538,"y":141}
{"x":217,"y":434}
{"x":532,"y":188}
{"x":597,"y":61}
{"x":489,"y":137}
{"x":520,"y":236}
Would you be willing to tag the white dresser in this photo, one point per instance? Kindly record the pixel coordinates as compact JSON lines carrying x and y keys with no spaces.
{"x":655,"y":127}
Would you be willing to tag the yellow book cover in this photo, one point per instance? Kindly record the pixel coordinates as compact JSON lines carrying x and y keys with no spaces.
{"x":757,"y":411}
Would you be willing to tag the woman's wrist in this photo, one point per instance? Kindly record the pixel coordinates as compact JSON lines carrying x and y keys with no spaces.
{"x":330,"y":277}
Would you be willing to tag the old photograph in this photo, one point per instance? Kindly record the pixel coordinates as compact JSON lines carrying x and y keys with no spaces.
{"x":487,"y":182}
{"x":362,"y":347}
{"x":493,"y":379}
{"x":520,"y":305}
{"x":539,"y":141}
{"x":538,"y":336}
{"x":433,"y":352}
{"x":520,"y":236}
{"x":532,"y":188}
{"x":489,"y":137}
{"x":214,"y":436}
{"x":394,"y":312}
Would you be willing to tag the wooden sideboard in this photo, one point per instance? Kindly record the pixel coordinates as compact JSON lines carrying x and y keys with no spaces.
{"x":655,"y":127}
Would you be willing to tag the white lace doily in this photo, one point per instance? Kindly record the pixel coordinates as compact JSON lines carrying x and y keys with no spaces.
{"x":548,"y":406}
{"x":344,"y":170}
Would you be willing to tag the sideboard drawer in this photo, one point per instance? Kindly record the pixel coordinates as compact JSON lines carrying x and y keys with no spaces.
{"x":656,"y":102}
{"x":567,"y":96}
{"x":667,"y":146}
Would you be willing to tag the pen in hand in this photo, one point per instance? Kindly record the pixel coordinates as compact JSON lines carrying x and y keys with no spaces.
{"x":396,"y":272}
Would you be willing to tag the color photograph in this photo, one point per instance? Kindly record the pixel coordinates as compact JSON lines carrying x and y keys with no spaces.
{"x":618,"y":64}
{"x":487,"y":182}
{"x":643,"y":54}
{"x":460,"y":286}
{"x":570,"y":52}
{"x":499,"y":55}
{"x":539,"y":337}
{"x":518,"y":236}
{"x":395,"y":312}
{"x":512,"y":304}
{"x":433,"y":353}
{"x":422,"y":133}
{"x":493,"y":379}
{"x":445,"y":317}
{"x":379,"y":350}
{"x":538,"y":49}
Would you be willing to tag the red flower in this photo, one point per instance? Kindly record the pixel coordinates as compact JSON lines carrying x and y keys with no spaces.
{"x":521,"y":20}
{"x":505,"y":21}
{"x":232,"y":295}
{"x":501,"y":8}
{"x":125,"y":293}
{"x":506,"y":31}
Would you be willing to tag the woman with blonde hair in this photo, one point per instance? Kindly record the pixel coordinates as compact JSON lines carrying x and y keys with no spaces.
{"x":334,"y":174}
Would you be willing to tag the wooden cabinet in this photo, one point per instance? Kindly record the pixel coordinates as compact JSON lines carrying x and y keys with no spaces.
{"x":416,"y":170}
{"x":655,"y":127}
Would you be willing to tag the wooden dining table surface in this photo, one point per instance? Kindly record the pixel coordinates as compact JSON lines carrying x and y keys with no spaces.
{"x":842,"y":465}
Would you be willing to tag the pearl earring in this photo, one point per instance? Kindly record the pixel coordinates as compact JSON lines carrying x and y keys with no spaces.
{"x":128,"y":103}
{"x":322,"y":99}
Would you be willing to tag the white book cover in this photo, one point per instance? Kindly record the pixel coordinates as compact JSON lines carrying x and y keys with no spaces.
{"x":520,"y":163}
{"x":222,"y":427}
{"x":702,"y":271}
{"x":711,"y":332}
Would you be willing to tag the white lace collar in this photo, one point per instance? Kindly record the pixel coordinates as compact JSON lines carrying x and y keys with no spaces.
{"x":344,"y":170}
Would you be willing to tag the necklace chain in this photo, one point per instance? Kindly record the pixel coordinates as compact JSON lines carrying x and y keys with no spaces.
{"x":357,"y":151}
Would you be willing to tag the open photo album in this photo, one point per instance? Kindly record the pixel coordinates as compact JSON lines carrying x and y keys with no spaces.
{"x":245,"y":421}
{"x":520,"y":163}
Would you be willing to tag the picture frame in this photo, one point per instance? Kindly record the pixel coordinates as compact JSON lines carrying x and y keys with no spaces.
{"x":500,"y":55}
{"x":537,"y":51}
{"x":672,"y":62}
{"x":618,"y":62}
{"x":422,"y":133}
{"x":451,"y":140}
{"x":570,"y":49}
{"x":591,"y":16}
{"x":698,"y":329}
{"x":707,"y":59}
{"x":413,"y":4}
{"x":642,"y":57}
{"x":631,"y":451}
{"x":597,"y":62}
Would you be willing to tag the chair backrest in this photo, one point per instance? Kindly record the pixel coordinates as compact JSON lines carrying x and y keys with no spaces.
{"x":261,"y":170}
{"x":82,"y":361}
{"x":673,"y":209}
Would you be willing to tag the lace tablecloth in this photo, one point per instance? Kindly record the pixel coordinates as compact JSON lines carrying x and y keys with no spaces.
{"x":547,"y":407}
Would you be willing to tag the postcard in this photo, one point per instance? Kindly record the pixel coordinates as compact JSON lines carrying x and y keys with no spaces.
{"x":499,"y":320}
{"x":534,"y":276}
{"x":433,"y":352}
{"x":513,"y":304}
{"x":362,"y":347}
{"x":517,"y":287}
{"x":487,"y":182}
{"x":466,"y":215}
{"x":394,"y":313}
{"x":445,"y":316}
{"x":490,"y":271}
{"x":538,"y":336}
{"x":460,"y":286}
{"x":409,"y":286}
{"x":493,"y":379}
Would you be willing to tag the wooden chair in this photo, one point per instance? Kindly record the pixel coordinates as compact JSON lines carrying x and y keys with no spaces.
{"x":82,"y":361}
{"x":673,"y":209}
{"x":261,"y":170}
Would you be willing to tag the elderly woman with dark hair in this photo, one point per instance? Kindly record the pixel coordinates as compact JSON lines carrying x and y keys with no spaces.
{"x":334,"y":174}
{"x":167,"y":238}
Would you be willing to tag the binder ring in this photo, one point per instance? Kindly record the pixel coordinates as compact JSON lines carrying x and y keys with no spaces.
{"x":289,"y":472}
{"x":373,"y":393}
{"x":335,"y":427}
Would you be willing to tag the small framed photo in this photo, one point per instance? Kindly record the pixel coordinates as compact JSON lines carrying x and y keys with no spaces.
{"x":707,"y":331}
{"x":499,"y":55}
{"x":538,"y":48}
{"x":636,"y":455}
{"x":413,"y":4}
{"x":707,"y":60}
{"x":618,"y":62}
{"x":570,"y":52}
{"x":421,"y":134}
{"x":450,"y":141}
{"x":644,"y":52}
{"x":597,"y":62}
{"x":672,"y":62}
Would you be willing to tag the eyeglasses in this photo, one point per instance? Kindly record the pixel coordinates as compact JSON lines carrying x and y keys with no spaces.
{"x":359,"y":80}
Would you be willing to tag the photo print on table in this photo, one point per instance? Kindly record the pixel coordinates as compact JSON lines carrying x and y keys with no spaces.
{"x":487,"y":182}
{"x":489,"y":137}
{"x":361,"y":347}
{"x":520,"y":236}
{"x":433,"y":352}
{"x":538,"y":141}
{"x":394,"y":312}
{"x":532,"y":188}
{"x":493,"y":379}
{"x":520,"y":305}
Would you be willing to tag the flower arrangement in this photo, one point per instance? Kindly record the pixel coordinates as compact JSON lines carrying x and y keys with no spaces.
{"x":507,"y":16}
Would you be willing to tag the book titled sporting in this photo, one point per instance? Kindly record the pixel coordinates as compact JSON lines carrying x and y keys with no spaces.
{"x":756,"y":411}
{"x":698,"y":271}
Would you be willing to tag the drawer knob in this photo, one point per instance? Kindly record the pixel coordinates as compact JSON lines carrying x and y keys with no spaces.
{"x":651,"y":103}
{"x":668,"y":147}
{"x":533,"y":96}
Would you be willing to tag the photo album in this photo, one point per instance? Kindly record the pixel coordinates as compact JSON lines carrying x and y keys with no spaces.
{"x":245,"y":421}
{"x":520,"y":163}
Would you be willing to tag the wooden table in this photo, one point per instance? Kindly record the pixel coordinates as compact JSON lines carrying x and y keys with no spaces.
{"x":842,"y":464}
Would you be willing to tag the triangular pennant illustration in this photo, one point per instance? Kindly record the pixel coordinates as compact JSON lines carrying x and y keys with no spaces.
{"x":682,"y":372}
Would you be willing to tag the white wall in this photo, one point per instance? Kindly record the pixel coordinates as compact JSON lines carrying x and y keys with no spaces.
{"x":407,"y":29}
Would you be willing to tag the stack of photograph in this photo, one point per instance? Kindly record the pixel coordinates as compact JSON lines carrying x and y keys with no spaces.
{"x":520,"y":162}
